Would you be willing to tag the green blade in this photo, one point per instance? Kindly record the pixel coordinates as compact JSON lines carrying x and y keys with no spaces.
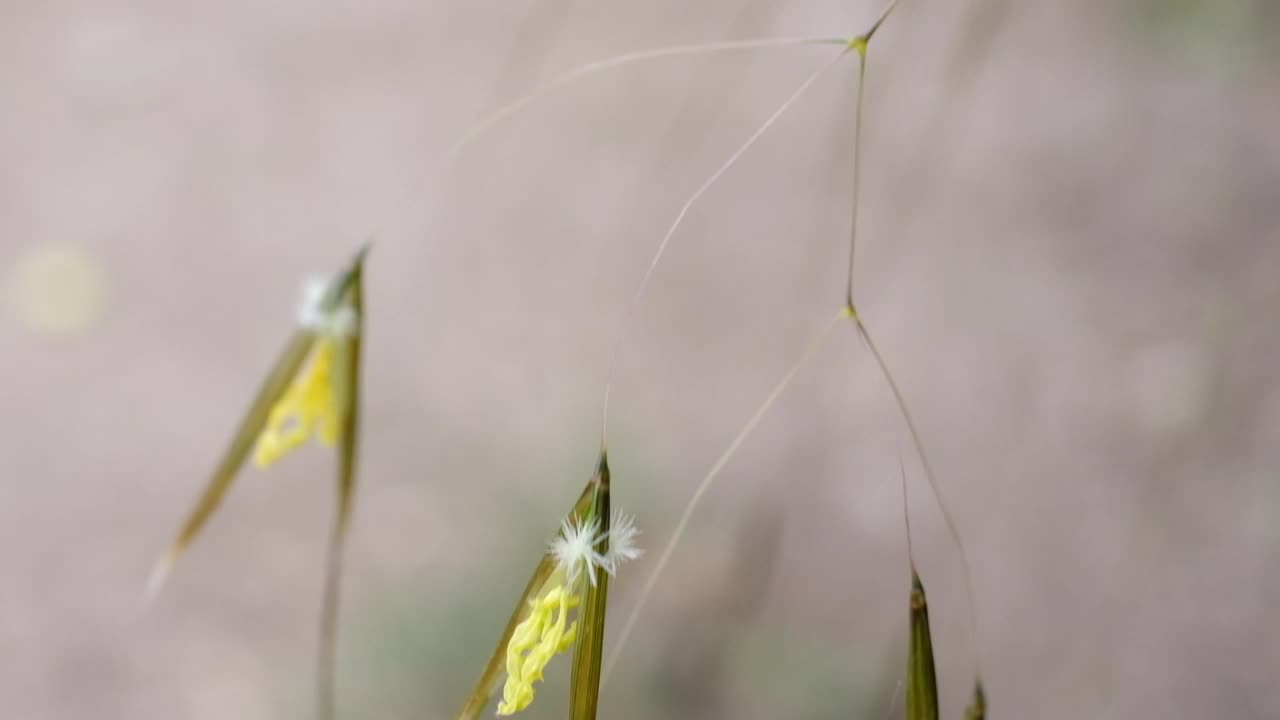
{"x":922,"y":683}
{"x":246,"y":435}
{"x":483,"y":690}
{"x":275,"y":384}
{"x":350,"y":437}
{"x":977,"y":709}
{"x":588,"y":651}
{"x":351,"y":288}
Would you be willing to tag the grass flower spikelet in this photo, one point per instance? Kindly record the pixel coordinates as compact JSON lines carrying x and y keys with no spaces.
{"x":311,"y":405}
{"x":547,"y":630}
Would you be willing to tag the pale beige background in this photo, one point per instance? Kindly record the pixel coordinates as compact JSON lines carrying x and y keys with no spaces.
{"x":1070,"y":254}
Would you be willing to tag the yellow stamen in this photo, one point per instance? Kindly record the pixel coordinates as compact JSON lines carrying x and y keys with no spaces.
{"x":535,"y":641}
{"x":307,"y":407}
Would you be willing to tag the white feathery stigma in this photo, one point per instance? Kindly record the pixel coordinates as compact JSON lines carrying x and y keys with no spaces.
{"x":622,"y":541}
{"x":339,"y":322}
{"x":575,"y":549}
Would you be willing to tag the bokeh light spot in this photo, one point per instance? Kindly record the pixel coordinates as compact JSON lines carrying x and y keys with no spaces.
{"x":57,"y":290}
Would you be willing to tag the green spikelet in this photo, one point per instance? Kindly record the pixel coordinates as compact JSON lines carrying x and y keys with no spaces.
{"x":922,"y":682}
{"x":584,"y":684}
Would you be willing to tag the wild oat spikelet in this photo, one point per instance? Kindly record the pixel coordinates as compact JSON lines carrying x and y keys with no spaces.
{"x":544,"y":633}
{"x":310,"y":390}
{"x":313,"y":403}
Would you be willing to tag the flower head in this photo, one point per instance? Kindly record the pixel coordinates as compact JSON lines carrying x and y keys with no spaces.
{"x":543,"y":634}
{"x":312,"y":390}
{"x":311,"y":405}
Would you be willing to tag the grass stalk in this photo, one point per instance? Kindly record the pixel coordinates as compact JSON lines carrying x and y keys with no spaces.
{"x":861,"y":44}
{"x":492,"y":119}
{"x":810,"y":350}
{"x":952,"y":528}
{"x":629,"y":312}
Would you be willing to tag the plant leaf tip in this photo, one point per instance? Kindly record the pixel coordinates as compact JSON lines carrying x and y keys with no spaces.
{"x":363,"y":252}
{"x":602,"y":470}
{"x":917,"y":592}
{"x":977,"y":709}
{"x":159,"y":576}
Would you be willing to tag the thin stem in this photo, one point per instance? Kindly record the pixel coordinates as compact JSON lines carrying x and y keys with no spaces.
{"x":629,"y":312}
{"x":326,"y":655}
{"x":857,"y":172}
{"x":952,"y":528}
{"x":906,"y":514}
{"x":860,"y":45}
{"x":810,"y":351}
{"x":495,"y":117}
{"x":884,"y":15}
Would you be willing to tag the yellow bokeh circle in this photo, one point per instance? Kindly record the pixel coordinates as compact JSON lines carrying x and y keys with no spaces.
{"x":57,"y":290}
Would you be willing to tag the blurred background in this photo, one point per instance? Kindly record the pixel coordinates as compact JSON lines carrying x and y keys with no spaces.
{"x":1069,"y":255}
